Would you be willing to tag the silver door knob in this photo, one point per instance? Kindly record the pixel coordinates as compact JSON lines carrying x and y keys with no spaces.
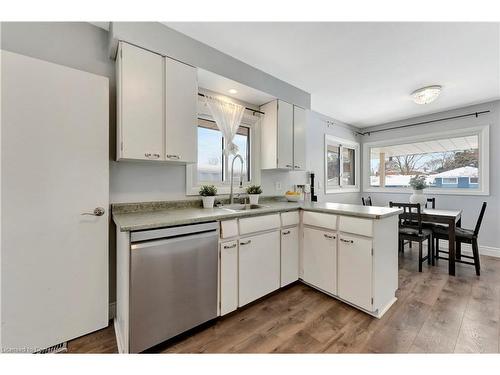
{"x":98,"y":211}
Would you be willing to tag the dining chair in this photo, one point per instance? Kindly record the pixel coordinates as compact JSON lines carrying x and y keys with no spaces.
{"x":410,"y":229}
{"x":431,"y":202}
{"x":462,"y":236}
{"x":367,"y":201}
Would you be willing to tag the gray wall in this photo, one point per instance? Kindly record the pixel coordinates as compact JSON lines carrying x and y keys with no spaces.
{"x":490,"y":233}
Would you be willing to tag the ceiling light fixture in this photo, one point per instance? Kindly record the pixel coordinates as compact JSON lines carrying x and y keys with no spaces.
{"x":233,"y":91}
{"x":426,"y":95}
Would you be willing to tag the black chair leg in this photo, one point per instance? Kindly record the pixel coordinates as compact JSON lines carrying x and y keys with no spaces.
{"x":420,"y":244}
{"x":475,"y":253}
{"x":437,"y":250}
{"x":410,"y":243}
{"x":458,"y":250}
{"x":429,"y":251}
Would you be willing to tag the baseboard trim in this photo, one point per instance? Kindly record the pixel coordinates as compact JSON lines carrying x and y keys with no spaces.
{"x":467,"y":249}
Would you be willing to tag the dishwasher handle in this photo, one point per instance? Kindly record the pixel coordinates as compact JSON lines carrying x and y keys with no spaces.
{"x":172,"y":240}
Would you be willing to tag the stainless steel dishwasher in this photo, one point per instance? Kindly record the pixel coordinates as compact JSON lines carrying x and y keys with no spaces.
{"x":173,"y":282}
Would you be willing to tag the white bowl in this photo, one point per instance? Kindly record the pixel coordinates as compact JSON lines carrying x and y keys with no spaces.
{"x":292,"y":198}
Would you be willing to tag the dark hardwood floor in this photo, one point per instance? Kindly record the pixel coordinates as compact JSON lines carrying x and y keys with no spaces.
{"x":435,"y":313}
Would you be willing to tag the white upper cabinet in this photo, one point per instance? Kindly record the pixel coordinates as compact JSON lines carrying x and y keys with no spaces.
{"x":140,"y":121}
{"x":283,"y":136}
{"x":156,"y":106}
{"x":181,"y":90}
{"x":299,"y":138}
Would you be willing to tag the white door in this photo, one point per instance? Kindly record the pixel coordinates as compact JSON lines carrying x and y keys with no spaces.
{"x":259,"y":266}
{"x":140,"y":98}
{"x":285,"y":135}
{"x":228,"y":277}
{"x":181,"y":112}
{"x":299,"y":138}
{"x":319,"y":259}
{"x":55,"y":166}
{"x":355,"y":270}
{"x":289,"y":255}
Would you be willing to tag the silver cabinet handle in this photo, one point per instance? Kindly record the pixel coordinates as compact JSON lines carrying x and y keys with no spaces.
{"x":347,"y":241}
{"x":156,"y":156}
{"x":177,"y":157}
{"x":230,"y":246}
{"x":289,"y":166}
{"x":150,"y":155}
{"x":330,"y":237}
{"x":285,"y":233}
{"x":245,"y":243}
{"x":297,"y":166}
{"x":147,"y":154}
{"x":98,"y":211}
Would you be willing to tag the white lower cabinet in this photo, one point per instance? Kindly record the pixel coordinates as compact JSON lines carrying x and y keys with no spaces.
{"x":355,"y":270}
{"x":259,"y":266}
{"x":289,"y":255}
{"x":228,"y":277}
{"x":319,"y":259}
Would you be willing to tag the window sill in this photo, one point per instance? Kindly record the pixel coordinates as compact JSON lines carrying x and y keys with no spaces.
{"x":426,"y":191}
{"x":342,"y":190}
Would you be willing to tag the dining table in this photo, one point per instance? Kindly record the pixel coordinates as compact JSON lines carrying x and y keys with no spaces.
{"x":453,"y":219}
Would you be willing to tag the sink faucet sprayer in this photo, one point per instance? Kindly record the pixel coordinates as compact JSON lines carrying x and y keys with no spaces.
{"x":238,"y":156}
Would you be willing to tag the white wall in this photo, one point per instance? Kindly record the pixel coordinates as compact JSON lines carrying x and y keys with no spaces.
{"x":489,"y":235}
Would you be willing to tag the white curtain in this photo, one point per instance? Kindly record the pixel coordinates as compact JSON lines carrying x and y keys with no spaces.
{"x":228,"y":117}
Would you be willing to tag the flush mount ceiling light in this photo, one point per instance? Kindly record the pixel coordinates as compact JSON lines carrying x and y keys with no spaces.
{"x":426,"y":95}
{"x":232,"y":91}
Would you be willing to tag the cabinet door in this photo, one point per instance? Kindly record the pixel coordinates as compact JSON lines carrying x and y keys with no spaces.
{"x":289,"y":255}
{"x":259,"y":266}
{"x":299,"y":138}
{"x":228,"y":277}
{"x":319,"y":259}
{"x":355,"y":271}
{"x":285,"y":135}
{"x":181,"y":89}
{"x":139,"y":103}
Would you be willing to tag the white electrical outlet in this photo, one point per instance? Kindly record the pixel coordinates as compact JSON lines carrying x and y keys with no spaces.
{"x":277,"y":185}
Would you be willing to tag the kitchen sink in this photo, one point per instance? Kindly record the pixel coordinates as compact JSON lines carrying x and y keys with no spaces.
{"x":242,"y":207}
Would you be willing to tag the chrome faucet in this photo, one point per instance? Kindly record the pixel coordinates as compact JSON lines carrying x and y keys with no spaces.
{"x":231,"y":196}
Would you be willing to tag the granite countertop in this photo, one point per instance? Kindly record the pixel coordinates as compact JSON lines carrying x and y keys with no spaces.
{"x":140,"y":216}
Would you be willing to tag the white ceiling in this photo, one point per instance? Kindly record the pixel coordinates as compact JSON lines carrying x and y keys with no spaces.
{"x":363,"y":73}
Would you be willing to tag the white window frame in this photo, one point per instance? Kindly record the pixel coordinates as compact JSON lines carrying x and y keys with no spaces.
{"x":223,"y":188}
{"x":340,"y":142}
{"x":483,"y":133}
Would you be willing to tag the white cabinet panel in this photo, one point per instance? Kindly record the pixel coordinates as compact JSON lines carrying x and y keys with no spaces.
{"x":289,"y":255}
{"x":140,"y":98}
{"x":181,"y":89}
{"x":355,"y":270}
{"x":299,"y":138}
{"x":259,"y":223}
{"x":285,"y":135}
{"x":259,"y":266}
{"x":290,"y":218}
{"x":228,"y":228}
{"x":356,"y":225}
{"x":318,"y":219}
{"x":228,"y":277}
{"x":319,"y":259}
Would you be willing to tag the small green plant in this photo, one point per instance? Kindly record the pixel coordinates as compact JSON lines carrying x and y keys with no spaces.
{"x":418,"y":182}
{"x":254,"y":189}
{"x":208,"y":191}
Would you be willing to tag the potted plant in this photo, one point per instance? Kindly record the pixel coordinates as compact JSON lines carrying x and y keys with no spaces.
{"x":254,"y":191}
{"x":208,"y":193}
{"x":418,"y":184}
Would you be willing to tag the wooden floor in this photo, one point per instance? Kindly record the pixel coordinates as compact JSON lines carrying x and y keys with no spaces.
{"x":435,"y":313}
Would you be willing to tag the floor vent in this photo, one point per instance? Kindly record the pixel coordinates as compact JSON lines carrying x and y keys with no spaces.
{"x":59,"y":348}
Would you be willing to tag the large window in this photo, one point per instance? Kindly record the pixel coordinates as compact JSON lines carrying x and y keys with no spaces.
{"x":450,"y":162}
{"x":341,"y":165}
{"x":213,"y":166}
